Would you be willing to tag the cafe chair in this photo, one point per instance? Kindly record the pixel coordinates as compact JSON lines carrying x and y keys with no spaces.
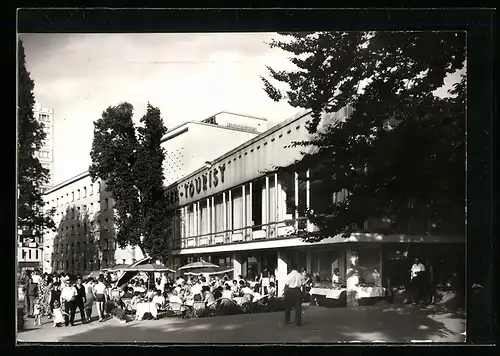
{"x":175,"y":309}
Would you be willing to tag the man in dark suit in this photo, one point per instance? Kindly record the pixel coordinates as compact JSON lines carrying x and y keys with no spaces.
{"x":30,"y":290}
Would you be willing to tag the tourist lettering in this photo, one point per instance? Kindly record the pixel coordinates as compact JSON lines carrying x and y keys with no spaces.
{"x":202,"y":183}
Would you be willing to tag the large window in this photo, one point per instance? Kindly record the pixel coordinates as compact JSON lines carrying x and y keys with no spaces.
{"x":203,"y":217}
{"x":368,"y":260}
{"x":190,"y":220}
{"x":258,"y":208}
{"x":287,"y":198}
{"x":218,"y":213}
{"x":302,"y":203}
{"x":237,"y":208}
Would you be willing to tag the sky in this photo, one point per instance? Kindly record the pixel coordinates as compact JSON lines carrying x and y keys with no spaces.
{"x":188,"y":76}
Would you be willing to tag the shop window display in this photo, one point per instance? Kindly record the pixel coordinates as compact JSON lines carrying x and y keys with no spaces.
{"x":368,"y":264}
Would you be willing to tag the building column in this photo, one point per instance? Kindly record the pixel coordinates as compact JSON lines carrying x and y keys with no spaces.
{"x":230,"y":217}
{"x":296,"y":191}
{"x":266,"y":204}
{"x":281,"y":272}
{"x":195,"y":209}
{"x":208,"y":217}
{"x":212,"y":217}
{"x":244,"y":212}
{"x":276,"y":200}
{"x":237,"y":264}
{"x":308,"y":196}
{"x":381,"y":263}
{"x":224,"y":214}
{"x":250,"y":207}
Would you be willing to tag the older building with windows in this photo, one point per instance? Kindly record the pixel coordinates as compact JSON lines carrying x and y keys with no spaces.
{"x":230,"y":212}
{"x":85,"y":239}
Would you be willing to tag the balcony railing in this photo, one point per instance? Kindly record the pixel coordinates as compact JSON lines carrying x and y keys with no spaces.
{"x":273,"y":230}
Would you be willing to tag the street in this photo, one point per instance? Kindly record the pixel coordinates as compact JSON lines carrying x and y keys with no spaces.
{"x":320,"y":325}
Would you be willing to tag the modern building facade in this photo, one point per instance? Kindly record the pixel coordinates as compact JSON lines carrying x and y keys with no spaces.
{"x":46,"y":153}
{"x":85,"y":239}
{"x":232,"y":213}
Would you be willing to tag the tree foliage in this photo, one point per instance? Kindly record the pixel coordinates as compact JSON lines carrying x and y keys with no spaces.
{"x":32,"y":176}
{"x":401,"y":152}
{"x":129,"y":160}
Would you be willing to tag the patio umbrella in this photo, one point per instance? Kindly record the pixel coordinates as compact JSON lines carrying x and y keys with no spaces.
{"x":149,"y":267}
{"x":94,"y":274}
{"x":209,"y":270}
{"x":199,"y":264}
{"x":119,"y":267}
{"x":127,"y":275}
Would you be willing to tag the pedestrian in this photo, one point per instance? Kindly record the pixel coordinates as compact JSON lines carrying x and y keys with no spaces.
{"x":58,"y":314}
{"x":80,"y":299}
{"x":89,"y":299}
{"x":293,"y":295}
{"x":100,"y":296}
{"x":416,"y":285}
{"x":36,"y":277}
{"x":30,"y":291}
{"x":55,"y":296}
{"x":37,"y":313}
{"x":68,"y":296}
{"x":42,"y":294}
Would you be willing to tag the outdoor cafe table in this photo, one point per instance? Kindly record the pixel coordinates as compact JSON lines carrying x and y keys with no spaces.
{"x":327,"y":292}
{"x":143,"y":308}
{"x":370,"y":292}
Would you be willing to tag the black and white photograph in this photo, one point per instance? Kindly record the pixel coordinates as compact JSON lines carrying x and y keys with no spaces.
{"x":242,"y":187}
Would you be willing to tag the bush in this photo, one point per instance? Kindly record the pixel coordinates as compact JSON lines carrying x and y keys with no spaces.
{"x":119,"y":313}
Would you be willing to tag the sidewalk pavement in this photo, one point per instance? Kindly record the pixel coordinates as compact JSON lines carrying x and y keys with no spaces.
{"x":320,"y":325}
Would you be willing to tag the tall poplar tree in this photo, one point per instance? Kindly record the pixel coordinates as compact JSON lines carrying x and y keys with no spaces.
{"x":31,"y":175}
{"x":130,"y":160}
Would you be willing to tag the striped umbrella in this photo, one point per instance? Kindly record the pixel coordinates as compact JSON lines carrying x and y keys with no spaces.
{"x":149,"y":267}
{"x":209,"y":270}
{"x":198,"y":264}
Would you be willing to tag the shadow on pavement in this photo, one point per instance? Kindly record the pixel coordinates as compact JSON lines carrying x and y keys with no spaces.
{"x":320,"y":325}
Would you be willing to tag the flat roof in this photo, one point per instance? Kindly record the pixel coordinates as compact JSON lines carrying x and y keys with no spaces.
{"x":248,"y":143}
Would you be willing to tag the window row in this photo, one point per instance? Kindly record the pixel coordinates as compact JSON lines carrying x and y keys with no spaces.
{"x":86,"y":227}
{"x":80,"y":193}
{"x":87,"y":246}
{"x":281,"y":198}
{"x":30,"y":254}
{"x":76,"y":211}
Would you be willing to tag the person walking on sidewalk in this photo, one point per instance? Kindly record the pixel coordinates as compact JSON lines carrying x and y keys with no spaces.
{"x":294,"y":282}
{"x":68,"y":295}
{"x":80,"y":299}
{"x":100,"y":291}
{"x":89,"y":298}
{"x":30,"y":291}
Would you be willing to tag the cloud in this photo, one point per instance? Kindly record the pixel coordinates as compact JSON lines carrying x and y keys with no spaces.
{"x":188,"y":76}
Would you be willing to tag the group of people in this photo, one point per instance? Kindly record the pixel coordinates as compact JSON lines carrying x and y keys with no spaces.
{"x":58,"y":296}
{"x":185,"y":291}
